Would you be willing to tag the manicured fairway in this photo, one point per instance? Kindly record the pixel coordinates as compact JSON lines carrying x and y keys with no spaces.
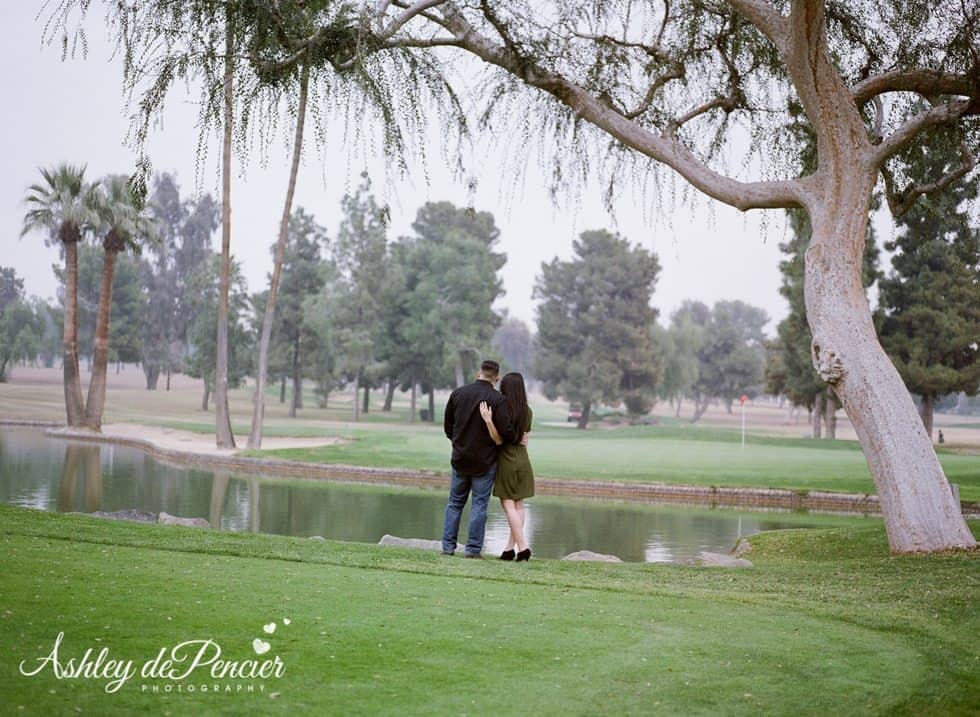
{"x":690,"y":455}
{"x":825,"y":623}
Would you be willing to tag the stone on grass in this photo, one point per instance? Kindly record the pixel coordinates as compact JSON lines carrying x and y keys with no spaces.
{"x":316,"y":537}
{"x":394,"y":541}
{"x":720,"y":560}
{"x":167,"y":519}
{"x":595,"y":557}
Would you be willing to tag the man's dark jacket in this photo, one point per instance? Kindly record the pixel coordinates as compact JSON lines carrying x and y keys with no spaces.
{"x":474,"y":452}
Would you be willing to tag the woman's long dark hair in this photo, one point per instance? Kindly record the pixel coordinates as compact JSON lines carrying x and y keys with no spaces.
{"x":512,"y":387}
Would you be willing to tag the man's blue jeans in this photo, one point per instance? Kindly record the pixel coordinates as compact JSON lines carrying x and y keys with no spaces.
{"x":459,"y":491}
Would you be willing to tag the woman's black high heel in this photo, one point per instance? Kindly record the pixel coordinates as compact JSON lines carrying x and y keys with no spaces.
{"x":507,"y":555}
{"x":524,"y":555}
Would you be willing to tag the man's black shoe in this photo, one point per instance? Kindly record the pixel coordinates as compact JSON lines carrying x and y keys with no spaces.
{"x":475,"y":557}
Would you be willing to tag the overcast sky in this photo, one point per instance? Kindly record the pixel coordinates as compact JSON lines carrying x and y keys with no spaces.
{"x":72,"y":111}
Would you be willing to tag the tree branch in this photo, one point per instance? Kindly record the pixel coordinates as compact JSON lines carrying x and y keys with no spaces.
{"x":663,"y":148}
{"x":411,"y":11}
{"x":928,"y":83}
{"x":899,"y":202}
{"x":943,"y":113}
{"x":765,"y":17}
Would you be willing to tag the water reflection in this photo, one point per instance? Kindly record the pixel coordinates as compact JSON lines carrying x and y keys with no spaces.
{"x":54,"y":475}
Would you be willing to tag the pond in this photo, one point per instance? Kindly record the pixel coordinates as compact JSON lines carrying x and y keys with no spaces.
{"x":52,"y":474}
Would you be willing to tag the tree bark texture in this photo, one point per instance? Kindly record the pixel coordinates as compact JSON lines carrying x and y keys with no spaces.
{"x":95,"y":404}
{"x":916,"y":500}
{"x":74,"y":405}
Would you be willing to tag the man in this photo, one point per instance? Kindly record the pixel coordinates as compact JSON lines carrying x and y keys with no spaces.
{"x":474,"y":461}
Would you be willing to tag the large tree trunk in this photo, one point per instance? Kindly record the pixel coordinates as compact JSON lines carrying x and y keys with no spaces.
{"x":282,"y":388}
{"x":458,"y":370}
{"x":205,"y":398}
{"x":411,"y":415}
{"x":583,"y":420}
{"x":432,"y":405}
{"x":367,"y":399}
{"x":816,"y":415}
{"x":222,"y":415}
{"x":74,"y":406}
{"x":927,"y":410}
{"x":389,"y":395}
{"x":830,"y":418}
{"x":168,"y":377}
{"x":354,"y":404}
{"x":700,"y":406}
{"x":95,"y":404}
{"x":916,"y":501}
{"x":297,"y":401}
{"x":152,"y":374}
{"x":258,"y":407}
{"x":677,"y":412}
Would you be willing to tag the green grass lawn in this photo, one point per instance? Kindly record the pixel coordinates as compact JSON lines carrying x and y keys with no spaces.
{"x":689,"y":455}
{"x":825,"y":623}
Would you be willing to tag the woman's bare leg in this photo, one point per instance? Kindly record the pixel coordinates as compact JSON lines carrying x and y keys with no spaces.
{"x":519,"y":504}
{"x":514,"y":521}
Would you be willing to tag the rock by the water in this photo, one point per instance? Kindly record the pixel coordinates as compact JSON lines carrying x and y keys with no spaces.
{"x":742,"y":548}
{"x":167,"y":519}
{"x":394,"y":541}
{"x":720,"y":560}
{"x":589,"y":555}
{"x":135,"y":516}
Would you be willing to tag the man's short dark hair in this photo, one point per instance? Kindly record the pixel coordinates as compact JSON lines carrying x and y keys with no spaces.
{"x":490,"y":368}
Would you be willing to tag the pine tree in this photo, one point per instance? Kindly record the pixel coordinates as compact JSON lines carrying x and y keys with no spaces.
{"x":931,"y":299}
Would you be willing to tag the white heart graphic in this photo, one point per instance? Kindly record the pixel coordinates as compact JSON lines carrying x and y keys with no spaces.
{"x":286,"y":621}
{"x":270,"y":628}
{"x":260,"y":646}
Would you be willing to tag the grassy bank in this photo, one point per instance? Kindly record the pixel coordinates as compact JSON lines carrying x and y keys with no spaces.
{"x":686,"y":455}
{"x":825,"y":623}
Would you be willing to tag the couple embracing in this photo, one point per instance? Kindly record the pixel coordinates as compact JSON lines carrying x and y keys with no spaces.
{"x":489,"y":431}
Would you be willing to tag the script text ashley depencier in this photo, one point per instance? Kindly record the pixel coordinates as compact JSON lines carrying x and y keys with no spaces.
{"x":179,"y":663}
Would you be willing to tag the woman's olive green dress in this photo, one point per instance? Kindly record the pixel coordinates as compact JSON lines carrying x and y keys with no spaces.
{"x":515,"y":477}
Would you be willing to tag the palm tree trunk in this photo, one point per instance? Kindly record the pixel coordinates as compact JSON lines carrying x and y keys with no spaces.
{"x":258,"y":408}
{"x":95,"y":405}
{"x":222,"y":416}
{"x":74,"y":406}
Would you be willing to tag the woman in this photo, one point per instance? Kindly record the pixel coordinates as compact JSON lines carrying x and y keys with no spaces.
{"x":515,"y":477}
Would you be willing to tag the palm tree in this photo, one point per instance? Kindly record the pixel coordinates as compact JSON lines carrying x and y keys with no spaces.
{"x":123,"y":222}
{"x":62,"y":207}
